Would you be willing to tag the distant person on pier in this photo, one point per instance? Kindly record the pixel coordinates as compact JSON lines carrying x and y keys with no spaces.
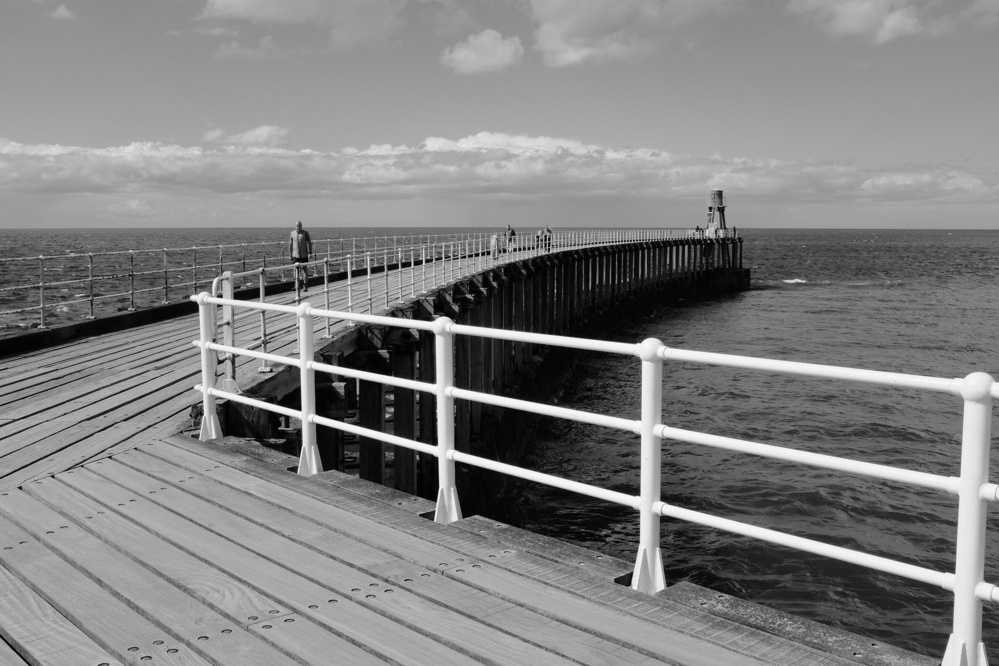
{"x":300,"y":247}
{"x":494,"y":246}
{"x":511,"y":239}
{"x":547,"y":238}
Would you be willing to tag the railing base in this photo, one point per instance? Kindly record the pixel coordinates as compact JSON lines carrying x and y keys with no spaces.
{"x":648,"y":575}
{"x":448,"y":509}
{"x":957,"y":654}
{"x":210,"y":427}
{"x":309,"y":462}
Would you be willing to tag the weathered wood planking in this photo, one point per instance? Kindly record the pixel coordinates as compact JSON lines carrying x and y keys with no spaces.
{"x":188,"y":553}
{"x":549,"y":588}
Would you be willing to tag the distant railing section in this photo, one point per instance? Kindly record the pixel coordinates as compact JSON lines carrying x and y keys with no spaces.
{"x":376,"y":280}
{"x":972,"y":488}
{"x":37,"y":292}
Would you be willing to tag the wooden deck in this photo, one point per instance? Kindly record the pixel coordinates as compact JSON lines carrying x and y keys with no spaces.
{"x":123,"y":540}
{"x":180,"y":552}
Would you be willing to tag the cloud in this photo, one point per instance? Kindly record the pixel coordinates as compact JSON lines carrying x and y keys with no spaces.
{"x":879,"y":21}
{"x":350,"y":23}
{"x":265,"y":135}
{"x":481,"y":166}
{"x":267,"y":49}
{"x":984,"y":13}
{"x":130,"y":208}
{"x":571,"y":32}
{"x":487,"y":51}
{"x":62,"y":13}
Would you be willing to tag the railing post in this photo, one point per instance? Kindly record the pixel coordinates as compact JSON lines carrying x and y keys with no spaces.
{"x":229,"y":384}
{"x":367,"y":260}
{"x":965,"y":647}
{"x":350,"y":289}
{"x":210,"y":426}
{"x":91,"y":288}
{"x":194,"y":260}
{"x":648,"y":574}
{"x":326,"y":292}
{"x":41,"y":291}
{"x":309,"y":462}
{"x":131,"y":280}
{"x":166,"y":278}
{"x":262,"y":282}
{"x":448,"y":509}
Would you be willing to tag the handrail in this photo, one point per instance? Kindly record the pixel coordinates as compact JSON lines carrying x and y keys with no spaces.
{"x":448,"y":261}
{"x":972,"y":487}
{"x":121,"y":280}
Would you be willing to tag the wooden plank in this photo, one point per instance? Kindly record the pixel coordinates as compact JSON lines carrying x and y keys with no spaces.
{"x":314,"y":641}
{"x":108,"y":621}
{"x":119,"y":387}
{"x":350,"y":614}
{"x":326,"y":567}
{"x":356,"y":517}
{"x":544,"y":574}
{"x":37,"y":631}
{"x":226,"y":638}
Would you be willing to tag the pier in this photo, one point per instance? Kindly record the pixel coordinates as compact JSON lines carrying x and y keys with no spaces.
{"x":128,"y":540}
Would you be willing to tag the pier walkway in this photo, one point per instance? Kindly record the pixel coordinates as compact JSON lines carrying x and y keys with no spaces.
{"x":124,"y":540}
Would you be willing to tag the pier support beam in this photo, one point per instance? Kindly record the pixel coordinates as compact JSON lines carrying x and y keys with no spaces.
{"x":403,"y":359}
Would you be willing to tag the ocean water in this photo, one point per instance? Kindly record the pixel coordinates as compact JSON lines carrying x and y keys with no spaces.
{"x":917,"y":302}
{"x":911,"y":301}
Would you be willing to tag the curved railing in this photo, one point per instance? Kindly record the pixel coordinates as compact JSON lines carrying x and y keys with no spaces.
{"x":972,"y":488}
{"x":86,"y":286}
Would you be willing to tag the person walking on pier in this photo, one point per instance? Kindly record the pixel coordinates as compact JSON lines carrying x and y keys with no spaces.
{"x":511,"y":238}
{"x":300,"y":247}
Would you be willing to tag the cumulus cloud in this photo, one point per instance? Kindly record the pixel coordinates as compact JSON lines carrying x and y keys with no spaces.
{"x":265,"y":135}
{"x":488,"y":164}
{"x":571,"y":32}
{"x":879,"y":21}
{"x":487,"y":51}
{"x":62,"y":13}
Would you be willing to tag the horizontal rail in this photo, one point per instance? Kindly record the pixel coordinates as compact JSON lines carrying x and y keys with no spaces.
{"x":911,"y":571}
{"x":951,"y":386}
{"x":947,"y":484}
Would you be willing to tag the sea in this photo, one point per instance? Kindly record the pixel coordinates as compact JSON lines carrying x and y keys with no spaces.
{"x":923,"y":302}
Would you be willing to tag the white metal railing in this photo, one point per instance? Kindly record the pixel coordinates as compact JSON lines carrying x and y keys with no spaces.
{"x":97,"y":283}
{"x":972,"y":487}
{"x":370,"y":286}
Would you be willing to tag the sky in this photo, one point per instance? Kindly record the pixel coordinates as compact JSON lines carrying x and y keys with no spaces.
{"x":479,"y":113}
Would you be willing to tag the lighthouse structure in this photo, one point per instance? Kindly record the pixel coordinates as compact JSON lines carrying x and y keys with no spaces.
{"x":716,"y":202}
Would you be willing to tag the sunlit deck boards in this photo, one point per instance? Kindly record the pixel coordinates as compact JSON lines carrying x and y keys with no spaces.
{"x":179,"y":552}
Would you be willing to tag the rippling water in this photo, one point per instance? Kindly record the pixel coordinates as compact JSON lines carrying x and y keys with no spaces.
{"x":918,"y":302}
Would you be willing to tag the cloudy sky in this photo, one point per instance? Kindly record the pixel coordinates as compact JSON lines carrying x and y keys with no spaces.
{"x":819,"y":113}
